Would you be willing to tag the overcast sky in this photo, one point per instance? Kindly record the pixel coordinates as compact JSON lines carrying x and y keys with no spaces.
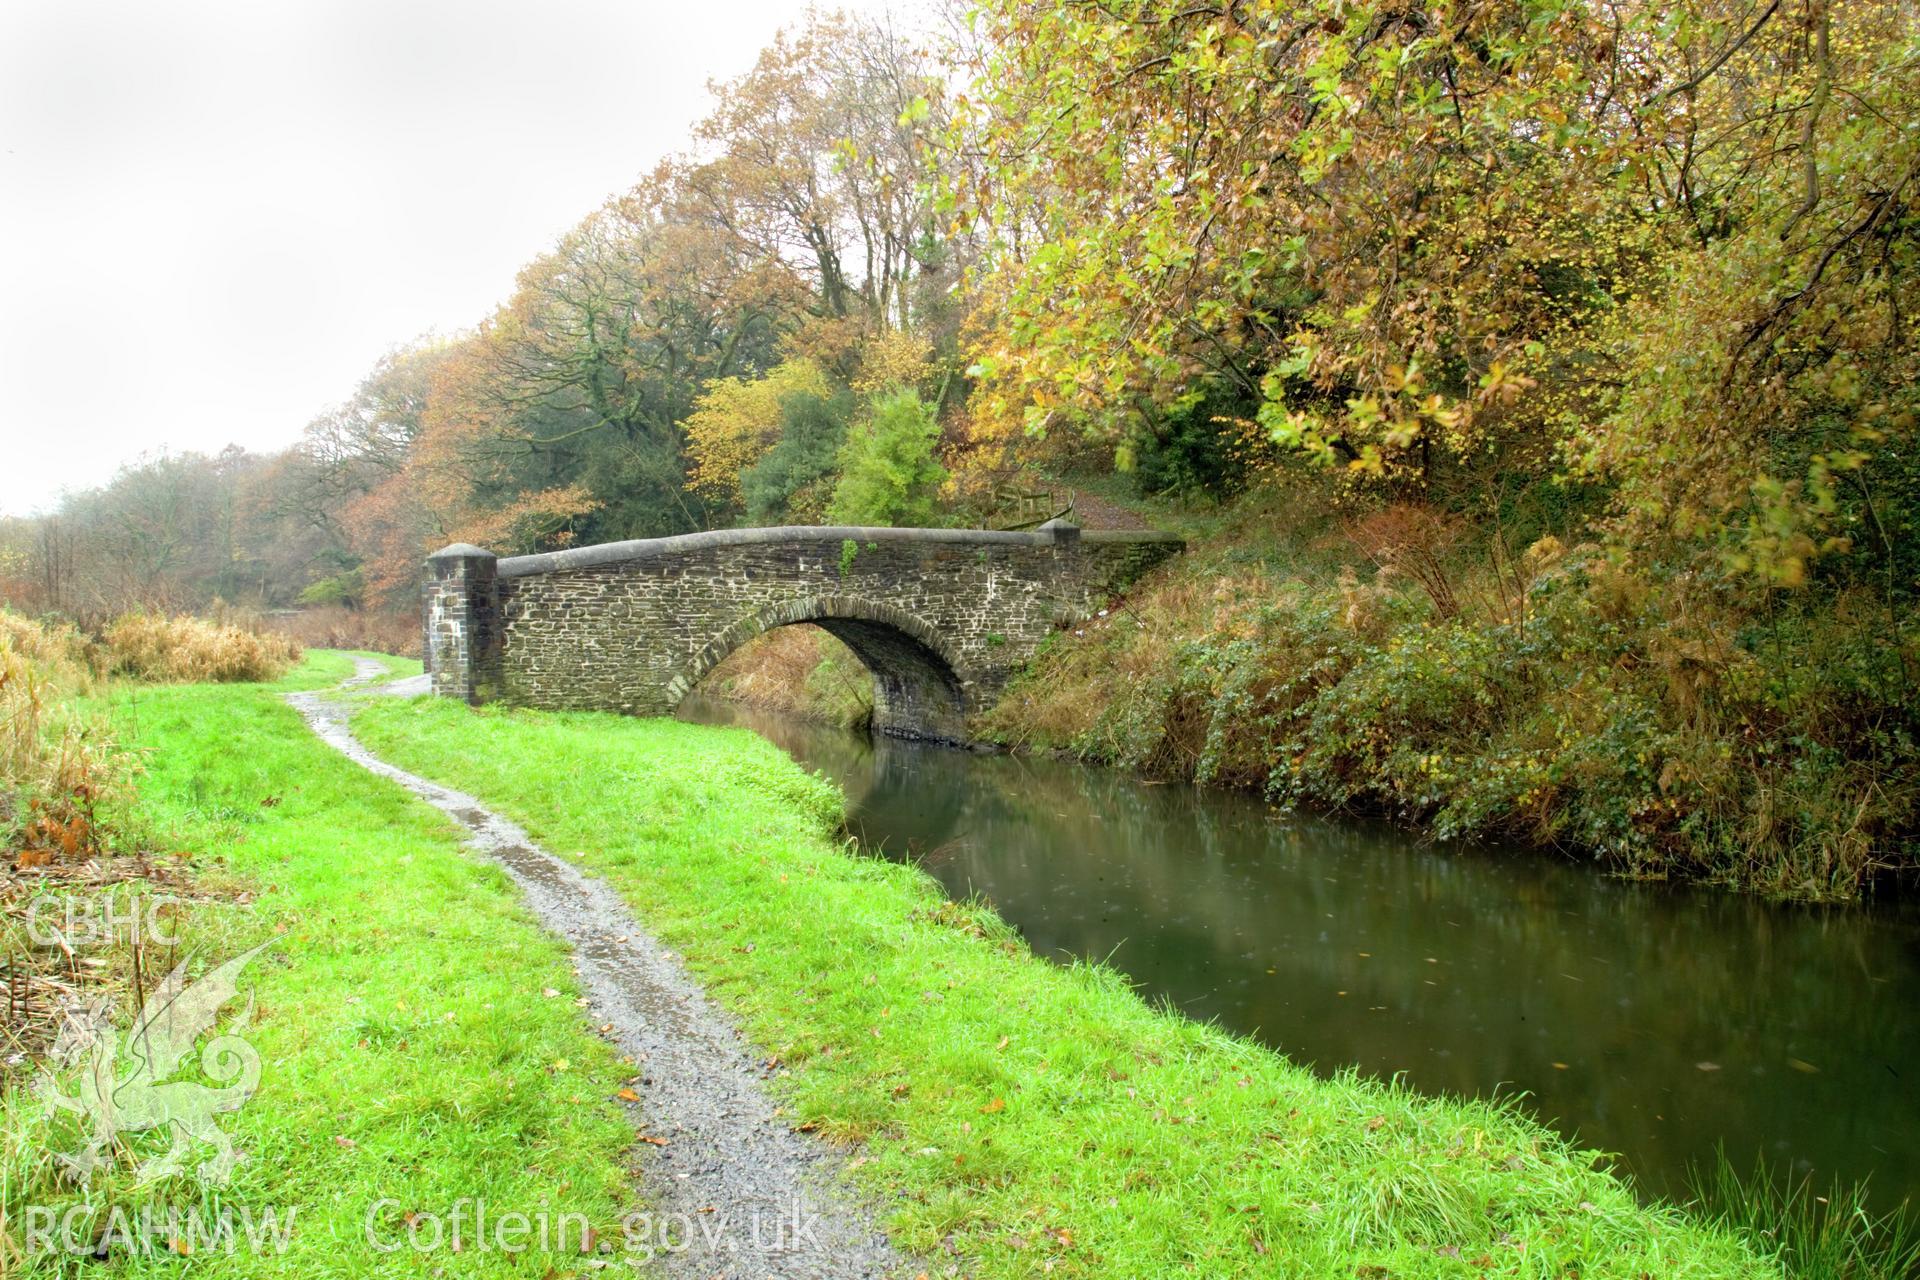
{"x":215,"y":217}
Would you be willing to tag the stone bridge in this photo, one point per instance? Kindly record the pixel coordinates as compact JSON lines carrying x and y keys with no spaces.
{"x":941,"y":617}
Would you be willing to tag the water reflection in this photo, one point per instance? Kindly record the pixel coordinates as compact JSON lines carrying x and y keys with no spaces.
{"x":1649,"y":1021}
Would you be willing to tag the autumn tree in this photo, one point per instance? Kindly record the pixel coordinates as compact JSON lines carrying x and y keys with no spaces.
{"x":736,"y":420}
{"x":1406,"y":237}
{"x":817,"y":159}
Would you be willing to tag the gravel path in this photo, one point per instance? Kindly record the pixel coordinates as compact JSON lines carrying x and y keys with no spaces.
{"x":751,"y":1197}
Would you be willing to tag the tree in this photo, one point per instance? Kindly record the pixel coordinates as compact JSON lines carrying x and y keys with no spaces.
{"x":819,"y":162}
{"x":560,"y":417}
{"x":737,"y":420}
{"x":1414,"y":237}
{"x":585,"y":375}
{"x":792,"y":483}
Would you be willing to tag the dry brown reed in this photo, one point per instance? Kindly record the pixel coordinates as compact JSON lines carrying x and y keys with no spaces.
{"x":182,"y":649}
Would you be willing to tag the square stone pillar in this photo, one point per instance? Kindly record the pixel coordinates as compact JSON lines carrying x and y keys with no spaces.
{"x":461,"y":612}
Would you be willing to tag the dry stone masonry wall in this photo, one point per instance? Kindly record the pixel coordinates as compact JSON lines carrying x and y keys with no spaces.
{"x":942,"y":617}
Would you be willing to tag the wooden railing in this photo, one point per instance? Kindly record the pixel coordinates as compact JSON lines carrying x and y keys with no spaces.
{"x":1016,"y":508}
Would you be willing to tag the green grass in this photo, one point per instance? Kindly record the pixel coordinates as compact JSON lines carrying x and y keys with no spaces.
{"x":409,"y":1054}
{"x":1026,"y":1116}
{"x":1821,"y":1234}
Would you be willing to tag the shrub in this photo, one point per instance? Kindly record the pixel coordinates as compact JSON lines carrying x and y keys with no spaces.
{"x":182,"y":648}
{"x":59,"y":651}
{"x":57,"y":762}
{"x":348,"y":589}
{"x":1415,"y":541}
{"x":888,"y":472}
{"x":338,"y":627}
{"x":1644,"y":719}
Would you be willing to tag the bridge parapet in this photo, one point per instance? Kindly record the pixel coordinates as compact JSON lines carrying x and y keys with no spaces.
{"x":942,"y":617}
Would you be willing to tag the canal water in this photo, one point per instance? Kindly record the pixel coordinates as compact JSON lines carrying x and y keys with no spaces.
{"x":1644,"y":1020}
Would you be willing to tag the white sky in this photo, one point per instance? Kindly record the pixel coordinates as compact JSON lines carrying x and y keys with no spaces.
{"x":215,"y":217}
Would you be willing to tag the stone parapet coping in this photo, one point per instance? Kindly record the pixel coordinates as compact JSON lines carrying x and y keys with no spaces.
{"x":606,"y":553}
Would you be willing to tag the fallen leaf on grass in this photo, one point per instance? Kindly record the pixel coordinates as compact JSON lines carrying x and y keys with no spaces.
{"x":652,"y":1141}
{"x":998,"y":1104}
{"x":627,"y":1095}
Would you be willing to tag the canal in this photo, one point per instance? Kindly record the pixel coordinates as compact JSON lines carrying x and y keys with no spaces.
{"x":1649,"y":1021}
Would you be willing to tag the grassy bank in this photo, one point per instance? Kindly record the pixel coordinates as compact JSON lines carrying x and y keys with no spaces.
{"x":408,"y":1052}
{"x":1021,"y":1117}
{"x":1483,"y":677}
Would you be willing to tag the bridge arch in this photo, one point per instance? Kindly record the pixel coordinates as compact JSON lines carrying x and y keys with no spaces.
{"x":919,"y":685}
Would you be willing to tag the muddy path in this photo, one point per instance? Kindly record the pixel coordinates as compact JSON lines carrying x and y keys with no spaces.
{"x":734,"y":1191}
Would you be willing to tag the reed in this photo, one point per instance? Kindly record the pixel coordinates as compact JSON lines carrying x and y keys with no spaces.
{"x":183,"y":649}
{"x":1815,"y":1235}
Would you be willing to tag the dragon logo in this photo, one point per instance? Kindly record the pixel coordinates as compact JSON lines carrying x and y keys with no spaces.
{"x":139,"y":1099}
